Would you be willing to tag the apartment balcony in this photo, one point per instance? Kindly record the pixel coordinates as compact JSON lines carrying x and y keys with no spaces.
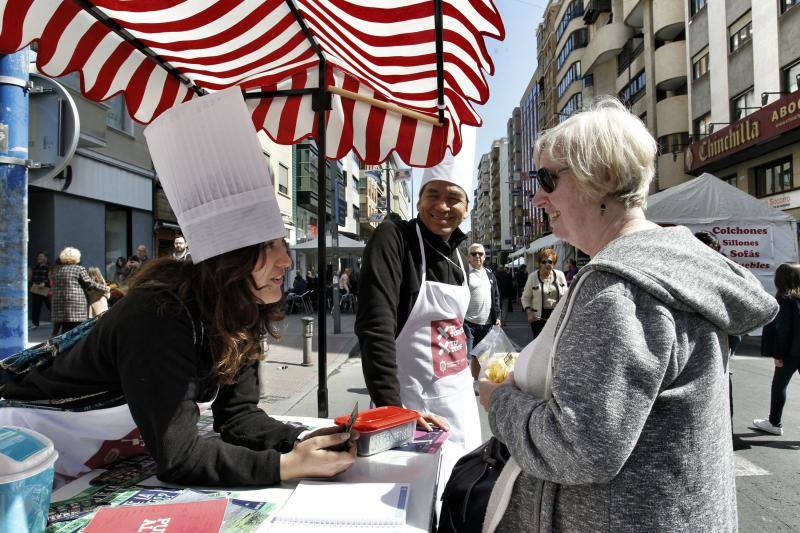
{"x":667,"y":20}
{"x":605,"y":44}
{"x":670,"y":170}
{"x":672,"y":115}
{"x":671,"y":66}
{"x":633,"y":12}
{"x":593,"y":10}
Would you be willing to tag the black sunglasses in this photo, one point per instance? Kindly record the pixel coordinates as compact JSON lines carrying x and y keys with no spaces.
{"x":476,"y":254}
{"x":546,"y":262}
{"x":547,"y":179}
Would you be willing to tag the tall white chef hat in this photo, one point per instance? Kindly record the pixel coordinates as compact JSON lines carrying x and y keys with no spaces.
{"x":215,"y":174}
{"x":455,"y":169}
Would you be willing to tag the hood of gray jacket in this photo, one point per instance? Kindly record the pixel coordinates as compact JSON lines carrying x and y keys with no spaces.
{"x":679,"y":270}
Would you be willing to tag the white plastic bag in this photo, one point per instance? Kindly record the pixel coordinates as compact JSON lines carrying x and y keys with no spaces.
{"x":497,"y":355}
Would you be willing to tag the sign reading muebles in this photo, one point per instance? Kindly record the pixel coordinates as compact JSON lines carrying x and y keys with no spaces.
{"x":769,"y":122}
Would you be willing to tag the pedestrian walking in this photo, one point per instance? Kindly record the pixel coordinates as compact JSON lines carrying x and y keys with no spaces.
{"x":572,"y":269}
{"x":505,"y":282}
{"x":543,"y":289}
{"x":40,"y":288}
{"x":483,"y":311}
{"x":521,"y":277}
{"x":786,"y":345}
{"x":98,"y":300}
{"x":616,"y":415}
{"x":72,"y":282}
{"x":188,"y":333}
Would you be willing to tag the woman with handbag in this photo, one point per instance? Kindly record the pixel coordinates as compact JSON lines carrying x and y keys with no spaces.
{"x":187,"y":336}
{"x":785,"y":344}
{"x":616,"y":416}
{"x":71,"y":284}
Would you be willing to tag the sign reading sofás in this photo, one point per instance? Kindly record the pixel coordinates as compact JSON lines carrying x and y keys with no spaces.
{"x":749,"y":245}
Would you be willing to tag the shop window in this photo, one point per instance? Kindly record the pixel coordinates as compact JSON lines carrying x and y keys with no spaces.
{"x":634,"y":90}
{"x":740,"y":32}
{"x":786,"y":5}
{"x":696,"y":5}
{"x":790,"y":77}
{"x":118,"y":237}
{"x":743,"y":104}
{"x":774,"y":177}
{"x":283,"y":179}
{"x":700,"y":63}
{"x":701,"y":124}
{"x":117,"y":116}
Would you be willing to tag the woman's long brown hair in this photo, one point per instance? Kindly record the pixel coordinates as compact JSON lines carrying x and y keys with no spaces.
{"x":222,"y":290}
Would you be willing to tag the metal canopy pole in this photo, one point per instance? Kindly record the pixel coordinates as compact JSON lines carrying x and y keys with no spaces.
{"x":321,"y":102}
{"x":439,"y":22}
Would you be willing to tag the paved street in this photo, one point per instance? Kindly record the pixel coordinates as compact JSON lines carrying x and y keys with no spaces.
{"x":767,"y":467}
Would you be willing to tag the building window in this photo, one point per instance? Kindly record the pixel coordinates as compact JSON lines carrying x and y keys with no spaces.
{"x":356,"y":212}
{"x":774,"y":177}
{"x":283,"y":178}
{"x":575,"y":9}
{"x":701,"y":124}
{"x":573,"y":74}
{"x":629,"y":52}
{"x":743,"y":104}
{"x":675,"y":142}
{"x":634,"y":89}
{"x":700,"y":63}
{"x":573,"y":106}
{"x":731,"y":180}
{"x":791,"y":73}
{"x":588,"y":80}
{"x":117,"y":116}
{"x":577,"y":39}
{"x":740,"y":32}
{"x":696,"y":5}
{"x":788,"y":4}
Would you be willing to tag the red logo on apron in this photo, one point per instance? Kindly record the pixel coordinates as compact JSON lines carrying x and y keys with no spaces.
{"x":448,"y":347}
{"x":112,"y":451}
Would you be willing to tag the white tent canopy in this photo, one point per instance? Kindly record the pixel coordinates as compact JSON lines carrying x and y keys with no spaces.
{"x":548,"y":241}
{"x":345,"y":244}
{"x":750,"y":232}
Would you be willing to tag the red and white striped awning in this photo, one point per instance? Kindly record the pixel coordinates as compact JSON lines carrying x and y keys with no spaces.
{"x":163,"y":52}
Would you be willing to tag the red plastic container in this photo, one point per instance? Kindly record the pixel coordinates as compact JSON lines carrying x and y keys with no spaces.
{"x":382,"y":428}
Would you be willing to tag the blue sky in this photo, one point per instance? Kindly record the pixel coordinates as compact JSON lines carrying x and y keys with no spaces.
{"x":514,"y":62}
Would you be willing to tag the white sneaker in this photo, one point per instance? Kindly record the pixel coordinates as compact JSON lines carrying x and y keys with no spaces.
{"x":765,"y":425}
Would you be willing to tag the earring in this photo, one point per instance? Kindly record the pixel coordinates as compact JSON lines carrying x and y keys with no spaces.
{"x":602,"y":210}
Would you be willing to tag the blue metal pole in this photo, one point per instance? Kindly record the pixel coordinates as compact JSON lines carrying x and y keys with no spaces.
{"x":13,"y":202}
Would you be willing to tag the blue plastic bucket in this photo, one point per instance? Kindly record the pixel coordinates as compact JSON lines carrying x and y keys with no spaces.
{"x":27,"y":459}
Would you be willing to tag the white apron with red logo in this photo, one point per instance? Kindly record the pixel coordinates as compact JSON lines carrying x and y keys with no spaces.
{"x":85,"y":440}
{"x":432,"y":367}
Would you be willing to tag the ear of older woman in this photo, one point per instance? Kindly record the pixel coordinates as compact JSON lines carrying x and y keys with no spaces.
{"x":585,"y":222}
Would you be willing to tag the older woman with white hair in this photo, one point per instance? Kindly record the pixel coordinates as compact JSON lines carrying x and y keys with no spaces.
{"x":71,"y":281}
{"x":616,"y":416}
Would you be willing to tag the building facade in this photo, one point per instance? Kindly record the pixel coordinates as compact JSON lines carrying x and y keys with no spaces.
{"x":744,"y":98}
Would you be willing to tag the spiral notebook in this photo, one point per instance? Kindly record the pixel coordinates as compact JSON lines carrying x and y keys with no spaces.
{"x":333,"y":505}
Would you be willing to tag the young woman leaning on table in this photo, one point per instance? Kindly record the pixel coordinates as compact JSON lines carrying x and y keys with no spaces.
{"x":186,"y":334}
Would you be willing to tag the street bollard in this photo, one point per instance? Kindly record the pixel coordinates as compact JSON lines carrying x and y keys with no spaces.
{"x":308,"y":334}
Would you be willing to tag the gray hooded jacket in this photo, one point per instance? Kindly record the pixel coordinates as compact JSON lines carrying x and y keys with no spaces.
{"x":637,"y":436}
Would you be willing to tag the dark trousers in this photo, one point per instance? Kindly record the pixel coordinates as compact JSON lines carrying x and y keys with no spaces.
{"x":536,"y":327}
{"x":780,"y":382}
{"x":36,"y":302}
{"x":510,"y":299}
{"x":475,"y":334}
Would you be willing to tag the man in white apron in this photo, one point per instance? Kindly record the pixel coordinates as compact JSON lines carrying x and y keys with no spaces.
{"x":414,"y":296}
